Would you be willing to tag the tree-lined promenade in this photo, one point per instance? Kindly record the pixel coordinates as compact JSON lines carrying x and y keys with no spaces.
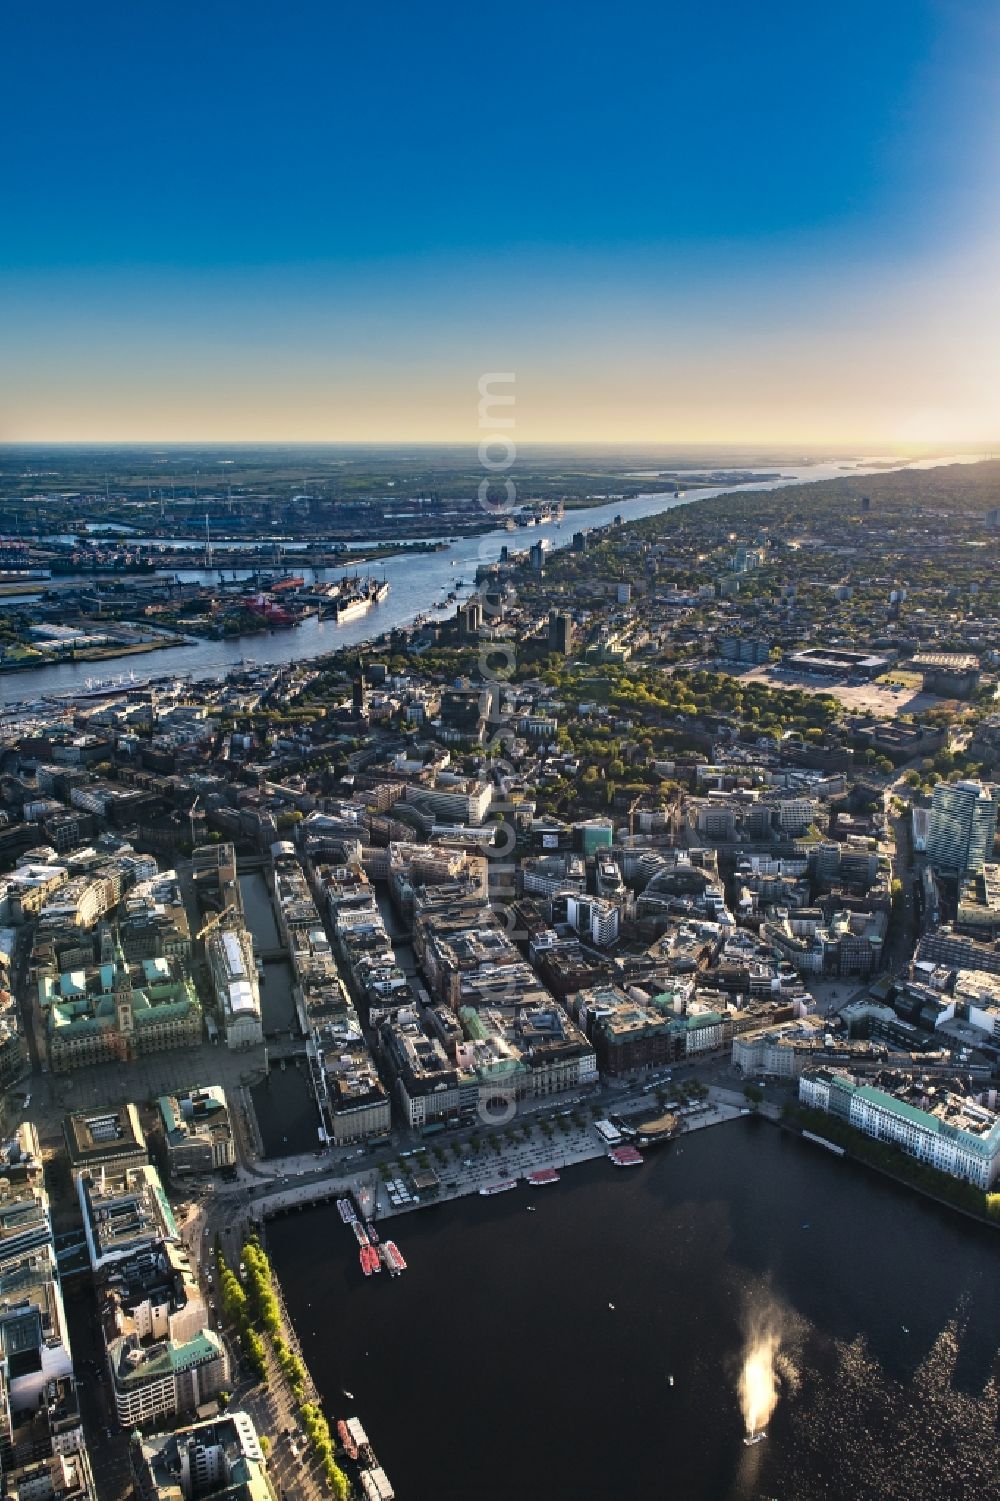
{"x":254,"y":1310}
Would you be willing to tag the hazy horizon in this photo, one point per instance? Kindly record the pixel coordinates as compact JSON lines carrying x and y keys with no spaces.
{"x":732,"y":452}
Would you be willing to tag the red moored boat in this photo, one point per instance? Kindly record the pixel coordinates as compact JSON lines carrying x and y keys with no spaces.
{"x":365,"y":1263}
{"x":344,"y":1434}
{"x":269,"y":612}
{"x":543,"y":1176}
{"x":625,"y":1157}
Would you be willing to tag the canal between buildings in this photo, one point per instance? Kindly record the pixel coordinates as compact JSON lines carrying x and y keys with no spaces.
{"x":276,"y":998}
{"x":399,"y":933}
{"x":287,"y":1116}
{"x":258,"y":910}
{"x":283,"y":1102}
{"x":590,"y":1350}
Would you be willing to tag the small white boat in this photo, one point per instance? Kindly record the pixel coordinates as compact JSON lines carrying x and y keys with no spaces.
{"x":755,"y":1438}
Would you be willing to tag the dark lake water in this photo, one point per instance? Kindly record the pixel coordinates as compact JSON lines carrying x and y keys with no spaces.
{"x":495,"y":1368}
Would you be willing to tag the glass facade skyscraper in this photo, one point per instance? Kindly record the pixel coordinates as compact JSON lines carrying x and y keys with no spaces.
{"x":962,"y":826}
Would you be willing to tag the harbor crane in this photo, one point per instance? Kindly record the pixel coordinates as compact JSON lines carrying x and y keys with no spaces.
{"x":214,"y":921}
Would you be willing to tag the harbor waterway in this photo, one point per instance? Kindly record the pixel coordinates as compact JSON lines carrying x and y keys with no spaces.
{"x":417,"y":582}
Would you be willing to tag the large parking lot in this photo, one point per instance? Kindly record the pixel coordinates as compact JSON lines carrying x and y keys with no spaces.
{"x":885,"y":700}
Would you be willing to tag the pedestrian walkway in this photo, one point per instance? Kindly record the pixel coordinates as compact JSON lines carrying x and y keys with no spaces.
{"x":274,"y":1408}
{"x":275,"y":1413}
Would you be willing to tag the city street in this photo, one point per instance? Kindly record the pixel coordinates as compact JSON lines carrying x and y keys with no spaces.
{"x":107,"y":1444}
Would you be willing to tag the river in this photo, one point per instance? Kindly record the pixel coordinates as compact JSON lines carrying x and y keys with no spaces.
{"x":496,"y":1367}
{"x":418,"y":582}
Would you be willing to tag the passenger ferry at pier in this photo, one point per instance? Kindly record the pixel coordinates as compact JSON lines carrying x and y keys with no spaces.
{"x":359,"y":1231}
{"x":376,"y":1485}
{"x":347,"y":1440}
{"x":625,"y":1157}
{"x":392,"y":1258}
{"x":542,"y":1177}
{"x":346,"y":1211}
{"x":361,"y":1440}
{"x":498,"y":1188}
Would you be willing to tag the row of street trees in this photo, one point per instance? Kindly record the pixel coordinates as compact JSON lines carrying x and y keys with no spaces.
{"x":251,"y":1307}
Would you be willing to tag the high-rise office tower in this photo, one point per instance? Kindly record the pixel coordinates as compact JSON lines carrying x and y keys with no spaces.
{"x":962,"y":827}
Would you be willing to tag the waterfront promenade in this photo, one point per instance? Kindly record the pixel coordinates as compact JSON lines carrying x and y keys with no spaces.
{"x":515,"y":1158}
{"x":274,"y":1410}
{"x":297,"y":1182}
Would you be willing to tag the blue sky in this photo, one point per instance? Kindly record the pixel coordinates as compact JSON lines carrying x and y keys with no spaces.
{"x":334,"y":216}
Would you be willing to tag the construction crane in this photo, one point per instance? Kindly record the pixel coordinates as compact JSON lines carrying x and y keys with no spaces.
{"x":213,"y":922}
